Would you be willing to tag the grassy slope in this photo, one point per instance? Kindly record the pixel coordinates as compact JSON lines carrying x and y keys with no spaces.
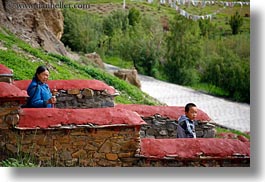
{"x":223,"y":14}
{"x":221,"y":19}
{"x":24,"y":59}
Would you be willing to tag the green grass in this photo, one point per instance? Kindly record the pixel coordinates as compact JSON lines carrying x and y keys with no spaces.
{"x":223,"y":130}
{"x":24,"y":59}
{"x":210,"y":89}
{"x":116,"y":61}
{"x":17,"y":160}
{"x":14,"y":162}
{"x":159,"y":10}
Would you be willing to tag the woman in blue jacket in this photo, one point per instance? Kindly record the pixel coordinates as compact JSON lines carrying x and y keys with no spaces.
{"x":39,"y":93}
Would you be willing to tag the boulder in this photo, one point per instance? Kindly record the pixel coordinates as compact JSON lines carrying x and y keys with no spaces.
{"x":129,"y":75}
{"x":96,"y":59}
{"x":38,"y":26}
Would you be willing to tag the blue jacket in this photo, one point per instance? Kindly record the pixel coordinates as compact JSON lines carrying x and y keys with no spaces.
{"x":39,"y":93}
{"x":186,"y":127}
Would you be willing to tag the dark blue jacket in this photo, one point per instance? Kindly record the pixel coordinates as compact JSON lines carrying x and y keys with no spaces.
{"x":39,"y":93}
{"x":186,"y":127}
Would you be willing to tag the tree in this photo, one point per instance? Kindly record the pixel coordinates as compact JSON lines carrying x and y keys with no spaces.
{"x":133,"y":16}
{"x":115,"y":23}
{"x":236,"y":22}
{"x":207,"y":28}
{"x":82,"y":35}
{"x":183,"y":51}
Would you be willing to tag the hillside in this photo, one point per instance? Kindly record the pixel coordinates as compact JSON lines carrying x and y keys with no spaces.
{"x":217,"y":10}
{"x":200,"y":44}
{"x":23,"y":59}
{"x":209,"y":58}
{"x":40,"y":27}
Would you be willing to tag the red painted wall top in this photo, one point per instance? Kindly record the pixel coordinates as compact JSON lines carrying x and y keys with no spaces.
{"x":186,"y":148}
{"x":47,"y":117}
{"x":8,"y":90}
{"x":71,"y":84}
{"x":4,"y":70}
{"x":173,"y":112}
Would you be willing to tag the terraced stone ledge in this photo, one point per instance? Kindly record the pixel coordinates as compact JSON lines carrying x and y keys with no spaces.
{"x":75,"y":137}
{"x":76,"y":94}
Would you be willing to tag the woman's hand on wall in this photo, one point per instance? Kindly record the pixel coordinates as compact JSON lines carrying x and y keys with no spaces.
{"x":52,"y":100}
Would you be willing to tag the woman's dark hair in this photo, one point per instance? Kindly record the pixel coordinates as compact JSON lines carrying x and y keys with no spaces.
{"x":40,"y":69}
{"x":188,"y":106}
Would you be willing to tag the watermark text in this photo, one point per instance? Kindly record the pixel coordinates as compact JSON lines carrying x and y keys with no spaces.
{"x":59,"y":5}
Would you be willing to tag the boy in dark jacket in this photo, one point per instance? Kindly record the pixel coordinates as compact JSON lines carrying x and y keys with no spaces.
{"x":186,"y":123}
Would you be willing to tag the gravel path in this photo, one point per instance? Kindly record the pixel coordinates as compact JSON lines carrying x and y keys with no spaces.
{"x":225,"y":113}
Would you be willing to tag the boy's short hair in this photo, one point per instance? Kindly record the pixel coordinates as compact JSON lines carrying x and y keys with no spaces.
{"x":188,"y":106}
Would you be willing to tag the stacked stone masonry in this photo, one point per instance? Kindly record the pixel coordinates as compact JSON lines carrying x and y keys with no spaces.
{"x":75,"y":94}
{"x":162,"y":121}
{"x":164,"y":127}
{"x":207,"y":162}
{"x":87,"y":147}
{"x":85,"y":98}
{"x":118,"y":138}
{"x":207,"y":152}
{"x":6,"y":75}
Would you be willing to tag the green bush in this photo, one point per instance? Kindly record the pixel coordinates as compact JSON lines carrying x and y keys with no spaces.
{"x":134,"y":16}
{"x":82,"y":31}
{"x":236,"y":22}
{"x":208,"y":29}
{"x":184,"y":51}
{"x":230,"y":73}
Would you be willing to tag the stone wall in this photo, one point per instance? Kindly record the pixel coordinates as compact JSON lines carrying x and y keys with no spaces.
{"x":207,"y":162}
{"x":6,"y":78}
{"x":94,"y":145}
{"x":6,"y":74}
{"x":83,"y":98}
{"x":9,"y":114}
{"x":164,"y":127}
{"x":94,"y":132}
{"x":113,"y":146}
{"x":11,"y":98}
{"x":208,"y":152}
{"x":162,"y":121}
{"x":74,"y":94}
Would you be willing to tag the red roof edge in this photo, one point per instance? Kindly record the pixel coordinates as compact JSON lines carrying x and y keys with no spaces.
{"x":188,"y":148}
{"x":71,"y":84}
{"x":49,"y":117}
{"x":8,"y":90}
{"x":172,"y":112}
{"x":5,"y":71}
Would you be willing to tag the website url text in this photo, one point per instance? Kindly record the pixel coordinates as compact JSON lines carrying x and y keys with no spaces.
{"x":60,"y":5}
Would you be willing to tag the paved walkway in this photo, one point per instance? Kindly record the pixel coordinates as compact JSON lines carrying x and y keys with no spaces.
{"x":226,"y":113}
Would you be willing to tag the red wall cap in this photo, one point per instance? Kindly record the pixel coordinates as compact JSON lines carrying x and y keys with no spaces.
{"x":193,"y":148}
{"x":70,"y":84}
{"x":47,"y":117}
{"x":5,"y":70}
{"x":8,"y":90}
{"x":173,"y":112}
